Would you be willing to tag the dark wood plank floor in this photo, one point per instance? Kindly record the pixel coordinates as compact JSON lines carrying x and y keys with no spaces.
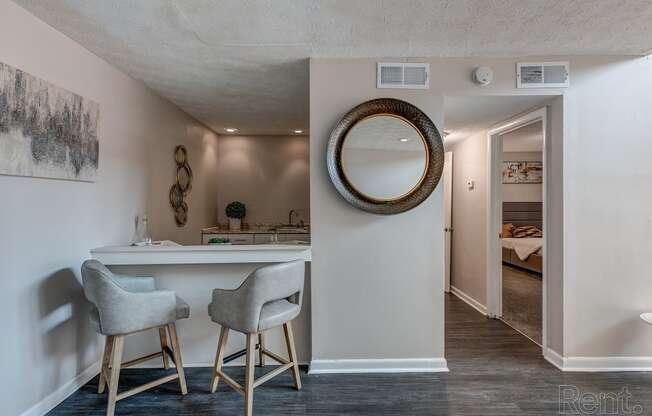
{"x":494,"y":371}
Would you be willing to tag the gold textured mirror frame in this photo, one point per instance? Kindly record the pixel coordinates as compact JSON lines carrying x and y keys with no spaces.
{"x":428,"y":133}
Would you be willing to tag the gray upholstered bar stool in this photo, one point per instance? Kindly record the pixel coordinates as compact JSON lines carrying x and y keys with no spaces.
{"x":270,"y":297}
{"x":123,"y":305}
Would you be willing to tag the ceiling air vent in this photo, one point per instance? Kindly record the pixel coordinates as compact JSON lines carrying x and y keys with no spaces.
{"x":542,"y":75}
{"x":403,"y":75}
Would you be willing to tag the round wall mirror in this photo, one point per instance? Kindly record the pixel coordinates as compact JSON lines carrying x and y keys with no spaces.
{"x":385,"y":156}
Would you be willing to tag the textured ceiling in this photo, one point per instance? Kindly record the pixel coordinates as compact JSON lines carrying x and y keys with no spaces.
{"x":244,"y":63}
{"x":466,"y":116}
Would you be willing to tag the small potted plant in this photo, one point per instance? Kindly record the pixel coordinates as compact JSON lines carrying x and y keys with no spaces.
{"x":235,"y":211}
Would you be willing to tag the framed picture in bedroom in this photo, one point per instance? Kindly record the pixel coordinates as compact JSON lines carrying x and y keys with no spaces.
{"x":46,"y":131}
{"x":522,"y":172}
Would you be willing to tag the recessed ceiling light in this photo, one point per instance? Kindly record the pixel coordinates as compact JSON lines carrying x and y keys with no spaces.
{"x":230,"y":130}
{"x":403,"y":139}
{"x":298,"y":131}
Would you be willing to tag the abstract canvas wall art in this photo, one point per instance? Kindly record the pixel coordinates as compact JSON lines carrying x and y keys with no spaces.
{"x":523,"y":172}
{"x":46,"y":131}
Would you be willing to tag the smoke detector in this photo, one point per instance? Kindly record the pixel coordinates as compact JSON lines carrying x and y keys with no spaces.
{"x":483,"y":75}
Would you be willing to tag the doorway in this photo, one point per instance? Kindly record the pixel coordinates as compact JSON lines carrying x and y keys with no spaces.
{"x":482,"y":273}
{"x":447,"y":179}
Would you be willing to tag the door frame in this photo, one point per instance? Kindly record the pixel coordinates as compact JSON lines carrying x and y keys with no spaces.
{"x":495,"y":213}
{"x":448,"y":228}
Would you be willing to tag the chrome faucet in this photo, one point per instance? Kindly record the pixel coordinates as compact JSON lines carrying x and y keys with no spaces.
{"x":290,"y":216}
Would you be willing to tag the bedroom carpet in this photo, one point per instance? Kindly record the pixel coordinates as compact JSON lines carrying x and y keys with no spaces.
{"x":522,"y":299}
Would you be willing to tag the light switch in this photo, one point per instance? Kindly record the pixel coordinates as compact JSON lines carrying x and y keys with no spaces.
{"x":470,"y":185}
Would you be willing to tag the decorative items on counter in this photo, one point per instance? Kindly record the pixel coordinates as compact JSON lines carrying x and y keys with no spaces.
{"x":141,"y":232}
{"x":222,"y":241}
{"x":235,"y":211}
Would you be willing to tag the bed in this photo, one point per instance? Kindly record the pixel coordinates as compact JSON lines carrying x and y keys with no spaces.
{"x":525,"y":253}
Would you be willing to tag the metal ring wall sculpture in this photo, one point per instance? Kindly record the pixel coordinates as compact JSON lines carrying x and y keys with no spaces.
{"x":182,"y":186}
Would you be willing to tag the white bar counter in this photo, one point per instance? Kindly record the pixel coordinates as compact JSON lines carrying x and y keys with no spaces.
{"x":193,"y":272}
{"x":169,"y":252}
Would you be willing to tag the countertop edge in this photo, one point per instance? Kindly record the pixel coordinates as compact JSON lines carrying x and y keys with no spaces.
{"x":249,"y":231}
{"x":202,"y":248}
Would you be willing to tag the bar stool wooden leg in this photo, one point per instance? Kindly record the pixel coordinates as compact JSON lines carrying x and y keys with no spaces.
{"x":249,"y":376}
{"x":219,"y":358}
{"x":116,"y":360}
{"x":292,"y":353}
{"x":261,"y":347}
{"x":163,"y":336}
{"x":106,"y":359}
{"x":176,"y":351}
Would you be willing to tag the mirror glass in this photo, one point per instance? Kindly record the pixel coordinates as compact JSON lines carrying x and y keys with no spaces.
{"x":384,"y":157}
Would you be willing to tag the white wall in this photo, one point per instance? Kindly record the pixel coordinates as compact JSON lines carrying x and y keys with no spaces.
{"x":202,"y":146}
{"x":377,"y":286}
{"x":608,"y":209}
{"x":606,"y":218}
{"x":522,"y":192}
{"x":469,"y":245}
{"x":269,"y":174}
{"x":48,"y":226}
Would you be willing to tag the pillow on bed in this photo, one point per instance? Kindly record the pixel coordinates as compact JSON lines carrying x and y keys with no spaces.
{"x":527,"y":231}
{"x":507,"y":230}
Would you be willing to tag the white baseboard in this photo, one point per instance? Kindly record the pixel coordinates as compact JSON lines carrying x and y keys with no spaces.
{"x":62,"y":393}
{"x":469,"y":300}
{"x":607,"y":364}
{"x":399,"y":365}
{"x":554,"y":358}
{"x":598,"y":364}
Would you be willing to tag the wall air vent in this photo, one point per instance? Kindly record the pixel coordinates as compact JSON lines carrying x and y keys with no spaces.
{"x":542,"y":75}
{"x":403,"y":75}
